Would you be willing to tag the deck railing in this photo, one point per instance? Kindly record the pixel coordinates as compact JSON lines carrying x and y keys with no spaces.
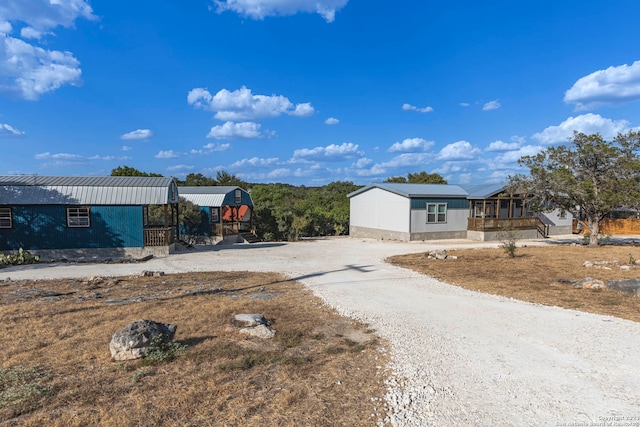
{"x":491,"y":224}
{"x":158,"y":236}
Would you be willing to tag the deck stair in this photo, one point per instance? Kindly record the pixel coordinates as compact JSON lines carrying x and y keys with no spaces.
{"x":250,"y":237}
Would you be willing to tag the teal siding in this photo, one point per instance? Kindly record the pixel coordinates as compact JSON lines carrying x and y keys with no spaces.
{"x":45,"y":227}
{"x":229,"y":199}
{"x":421,"y":203}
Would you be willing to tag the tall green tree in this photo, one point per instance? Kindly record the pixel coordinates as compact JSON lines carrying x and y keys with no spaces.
{"x":225,"y":178}
{"x":589,"y":177}
{"x":129,"y":171}
{"x":197,"y":180}
{"x":419,"y":178}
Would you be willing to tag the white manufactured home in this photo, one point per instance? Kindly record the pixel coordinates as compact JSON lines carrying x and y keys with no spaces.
{"x":409,"y":212}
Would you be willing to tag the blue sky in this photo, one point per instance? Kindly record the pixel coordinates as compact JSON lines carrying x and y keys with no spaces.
{"x":309,"y":91}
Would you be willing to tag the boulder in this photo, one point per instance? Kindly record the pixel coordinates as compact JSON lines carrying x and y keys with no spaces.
{"x":260,"y":331}
{"x":133,"y":341}
{"x":438,"y":254}
{"x":589,"y":283}
{"x":629,"y":286}
{"x":250,"y":320}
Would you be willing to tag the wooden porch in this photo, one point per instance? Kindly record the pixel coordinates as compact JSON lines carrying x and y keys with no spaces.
{"x":503,"y":212}
{"x":164,"y":236}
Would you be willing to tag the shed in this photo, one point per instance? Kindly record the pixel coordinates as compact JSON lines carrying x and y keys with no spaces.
{"x":408,"y":212}
{"x":87,"y":215}
{"x":228,"y":210}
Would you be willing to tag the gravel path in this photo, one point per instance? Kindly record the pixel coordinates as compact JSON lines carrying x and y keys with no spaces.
{"x":459,"y":357}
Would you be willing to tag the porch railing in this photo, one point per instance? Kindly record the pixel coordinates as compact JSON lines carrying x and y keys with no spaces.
{"x":494,"y":224}
{"x":158,"y":236}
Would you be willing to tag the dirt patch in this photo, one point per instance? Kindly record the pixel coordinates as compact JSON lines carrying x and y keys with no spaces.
{"x":540,"y":275}
{"x":319,"y":369}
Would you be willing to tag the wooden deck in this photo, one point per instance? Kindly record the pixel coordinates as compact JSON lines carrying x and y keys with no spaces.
{"x":495,"y":224}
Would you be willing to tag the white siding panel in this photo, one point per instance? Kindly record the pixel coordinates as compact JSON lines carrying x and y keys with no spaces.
{"x":380,"y":209}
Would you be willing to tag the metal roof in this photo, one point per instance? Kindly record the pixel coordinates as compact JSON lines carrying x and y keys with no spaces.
{"x":482,"y":191}
{"x":72,"y":190}
{"x":416,"y":190}
{"x":212,"y":196}
{"x":435,"y":190}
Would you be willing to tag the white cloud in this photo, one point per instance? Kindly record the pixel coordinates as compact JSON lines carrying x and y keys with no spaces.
{"x":615,"y":85}
{"x":138,"y":134}
{"x":9,"y":131}
{"x":408,"y":159}
{"x":331,"y":121}
{"x":31,"y":33}
{"x":464,"y":104}
{"x":409,"y":107}
{"x":514,"y":155}
{"x":586,"y":123}
{"x":231,"y":130}
{"x":331,"y":152}
{"x":45,"y":15}
{"x":29,"y":71}
{"x":461,"y":150}
{"x":177,"y":168}
{"x":255,"y":162}
{"x":503,"y":146}
{"x":411,"y":145}
{"x":259,"y":9}
{"x":5,"y":27}
{"x":168,"y":154}
{"x":241,"y":104}
{"x":491,"y":105}
{"x":212,"y":147}
{"x":68,"y":158}
{"x":126,"y":148}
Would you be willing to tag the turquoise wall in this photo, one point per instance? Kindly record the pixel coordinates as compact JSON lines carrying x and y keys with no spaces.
{"x":45,"y":227}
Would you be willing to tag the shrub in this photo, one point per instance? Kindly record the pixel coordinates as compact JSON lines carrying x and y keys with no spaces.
{"x":20,"y":258}
{"x":162,"y":349}
{"x":20,"y":384}
{"x":508,"y":239}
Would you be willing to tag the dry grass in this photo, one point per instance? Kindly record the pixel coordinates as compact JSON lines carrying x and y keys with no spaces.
{"x":534,"y":272}
{"x":56,"y":370}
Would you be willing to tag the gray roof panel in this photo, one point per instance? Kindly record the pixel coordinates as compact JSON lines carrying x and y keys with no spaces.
{"x":111,"y":190}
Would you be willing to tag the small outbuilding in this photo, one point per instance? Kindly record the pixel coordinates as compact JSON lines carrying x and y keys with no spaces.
{"x":72,"y":217}
{"x":408,"y":212}
{"x":228,"y":212}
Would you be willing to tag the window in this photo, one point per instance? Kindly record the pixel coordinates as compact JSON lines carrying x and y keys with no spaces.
{"x":78,"y":218}
{"x":6,"y":219}
{"x":215,"y":214}
{"x":238,"y":197}
{"x":436,"y":213}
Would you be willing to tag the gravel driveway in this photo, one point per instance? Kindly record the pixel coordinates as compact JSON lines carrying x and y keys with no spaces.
{"x":460,"y":357}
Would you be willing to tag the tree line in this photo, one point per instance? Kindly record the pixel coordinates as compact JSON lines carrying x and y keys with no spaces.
{"x":281,"y":211}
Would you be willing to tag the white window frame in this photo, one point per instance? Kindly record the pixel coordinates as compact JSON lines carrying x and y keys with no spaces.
{"x":6,"y":218}
{"x":237,"y":197}
{"x":79,"y":217}
{"x":215,"y":214}
{"x":439,"y":213}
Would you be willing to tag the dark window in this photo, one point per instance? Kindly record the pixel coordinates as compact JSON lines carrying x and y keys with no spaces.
{"x":6,"y":218}
{"x":215,"y":214}
{"x":78,"y":218}
{"x":436,"y":213}
{"x":238,"y":197}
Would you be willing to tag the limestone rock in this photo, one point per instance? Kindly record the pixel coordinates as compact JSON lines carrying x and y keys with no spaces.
{"x":438,"y":254}
{"x":260,"y":331}
{"x":133,"y":341}
{"x":589,"y":283}
{"x":250,"y":320}
{"x":629,"y":286}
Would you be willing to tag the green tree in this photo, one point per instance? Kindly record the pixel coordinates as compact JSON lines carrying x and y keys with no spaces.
{"x":224,"y":178}
{"x":129,"y":171}
{"x":419,"y":178}
{"x":197,"y":180}
{"x":589,"y":178}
